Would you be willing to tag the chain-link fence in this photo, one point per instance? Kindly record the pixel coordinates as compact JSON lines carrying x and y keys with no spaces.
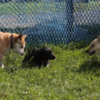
{"x":52,"y":21}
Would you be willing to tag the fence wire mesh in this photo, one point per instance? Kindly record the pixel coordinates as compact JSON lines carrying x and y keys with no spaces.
{"x":51,"y":21}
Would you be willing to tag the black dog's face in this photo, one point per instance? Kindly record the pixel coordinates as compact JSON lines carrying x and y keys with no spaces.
{"x":44,"y":55}
{"x":39,"y":56}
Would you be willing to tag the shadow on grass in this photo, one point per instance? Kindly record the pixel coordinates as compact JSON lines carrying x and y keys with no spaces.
{"x":91,"y":65}
{"x":28,"y":65}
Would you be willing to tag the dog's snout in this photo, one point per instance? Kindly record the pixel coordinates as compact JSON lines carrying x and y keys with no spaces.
{"x":53,"y":57}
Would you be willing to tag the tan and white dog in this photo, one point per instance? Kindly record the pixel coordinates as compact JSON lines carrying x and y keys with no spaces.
{"x":94,"y":47}
{"x":13,"y":41}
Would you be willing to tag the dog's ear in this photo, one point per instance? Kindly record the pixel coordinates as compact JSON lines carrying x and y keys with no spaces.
{"x":22,"y":36}
{"x":98,"y":38}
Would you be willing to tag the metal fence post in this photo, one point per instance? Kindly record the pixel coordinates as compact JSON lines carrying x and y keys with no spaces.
{"x":69,"y":18}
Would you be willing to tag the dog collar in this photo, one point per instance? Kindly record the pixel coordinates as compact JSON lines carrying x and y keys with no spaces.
{"x":11,"y":41}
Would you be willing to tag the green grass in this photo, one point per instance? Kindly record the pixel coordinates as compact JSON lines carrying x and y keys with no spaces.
{"x":74,"y":75}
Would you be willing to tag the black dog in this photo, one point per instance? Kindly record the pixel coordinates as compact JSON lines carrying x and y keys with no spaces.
{"x":39,"y":57}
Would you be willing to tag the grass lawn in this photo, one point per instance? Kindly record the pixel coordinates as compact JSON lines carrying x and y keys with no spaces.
{"x":30,"y":7}
{"x":43,"y":7}
{"x":74,"y":75}
{"x":86,"y":6}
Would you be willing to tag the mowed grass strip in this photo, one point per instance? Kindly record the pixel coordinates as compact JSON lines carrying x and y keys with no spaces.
{"x":87,"y":6}
{"x":44,"y":7}
{"x":74,"y":75}
{"x":31,"y":7}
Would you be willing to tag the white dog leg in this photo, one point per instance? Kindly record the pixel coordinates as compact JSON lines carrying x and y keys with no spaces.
{"x":1,"y":61}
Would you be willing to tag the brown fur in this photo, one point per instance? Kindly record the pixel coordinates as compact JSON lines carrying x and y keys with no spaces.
{"x":18,"y":40}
